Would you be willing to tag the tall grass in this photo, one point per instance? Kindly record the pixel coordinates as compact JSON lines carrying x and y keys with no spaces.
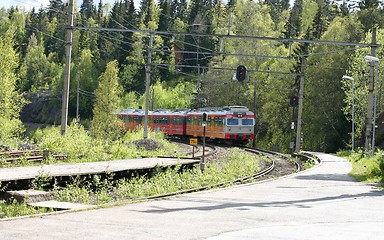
{"x":15,"y":209}
{"x":366,"y":167}
{"x":81,"y":147}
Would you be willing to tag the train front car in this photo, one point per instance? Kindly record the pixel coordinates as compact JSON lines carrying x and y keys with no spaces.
{"x":239,"y":124}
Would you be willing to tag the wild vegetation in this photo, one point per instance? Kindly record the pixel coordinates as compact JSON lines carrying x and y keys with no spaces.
{"x":366,"y":167}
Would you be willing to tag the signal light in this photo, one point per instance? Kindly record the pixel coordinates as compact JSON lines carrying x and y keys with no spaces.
{"x":294,"y":101}
{"x":205,"y":116}
{"x":240,"y":73}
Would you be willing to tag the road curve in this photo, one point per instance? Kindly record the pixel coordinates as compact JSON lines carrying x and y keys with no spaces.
{"x":320,"y":203}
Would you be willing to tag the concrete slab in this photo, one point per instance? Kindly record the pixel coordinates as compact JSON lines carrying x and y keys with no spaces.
{"x":28,"y":196}
{"x":61,"y":205}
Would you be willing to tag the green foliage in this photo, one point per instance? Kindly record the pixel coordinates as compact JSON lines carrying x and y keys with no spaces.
{"x":366,"y":167}
{"x":104,"y":124}
{"x":357,"y":67}
{"x":79,"y":145}
{"x":86,"y":79}
{"x":41,"y":181}
{"x":11,"y":101}
{"x":14,"y":209}
{"x":172,"y":98}
{"x":75,"y":143}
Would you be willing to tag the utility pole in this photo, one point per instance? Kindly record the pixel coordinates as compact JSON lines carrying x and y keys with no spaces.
{"x":371,"y":87}
{"x":147,"y":83}
{"x":229,"y":21}
{"x":254,"y":110}
{"x":67,"y":74}
{"x":300,"y":110}
{"x":78,"y":99}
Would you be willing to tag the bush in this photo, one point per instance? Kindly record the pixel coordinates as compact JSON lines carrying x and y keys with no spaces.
{"x":366,"y":167}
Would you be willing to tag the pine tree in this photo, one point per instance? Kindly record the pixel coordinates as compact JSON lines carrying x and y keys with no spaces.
{"x":369,"y":14}
{"x":293,"y":26}
{"x":87,"y":10}
{"x":320,"y":21}
{"x":276,"y":9}
{"x":105,"y":122}
{"x":55,"y":9}
{"x":165,"y":22}
{"x":179,"y":9}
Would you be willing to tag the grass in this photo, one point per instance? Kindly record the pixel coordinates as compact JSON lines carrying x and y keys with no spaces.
{"x":15,"y":209}
{"x":365,"y":167}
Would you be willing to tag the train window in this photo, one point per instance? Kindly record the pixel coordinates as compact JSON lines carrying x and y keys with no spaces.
{"x":218,"y":121}
{"x":165,"y":120}
{"x":190,"y":120}
{"x":232,"y":121}
{"x":247,"y":121}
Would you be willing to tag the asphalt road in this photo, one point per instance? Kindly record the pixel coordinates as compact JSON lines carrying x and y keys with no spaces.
{"x":320,"y":203}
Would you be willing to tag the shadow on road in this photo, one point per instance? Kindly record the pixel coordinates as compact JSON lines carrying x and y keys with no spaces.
{"x":304,"y":203}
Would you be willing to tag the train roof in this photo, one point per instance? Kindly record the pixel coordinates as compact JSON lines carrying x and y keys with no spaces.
{"x":209,"y":110}
{"x":131,"y":110}
{"x":222,"y":110}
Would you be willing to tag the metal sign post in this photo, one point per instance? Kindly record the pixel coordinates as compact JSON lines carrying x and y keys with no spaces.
{"x":193,"y":142}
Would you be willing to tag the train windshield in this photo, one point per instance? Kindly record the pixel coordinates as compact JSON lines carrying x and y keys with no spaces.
{"x":247,"y":121}
{"x":232,"y":121}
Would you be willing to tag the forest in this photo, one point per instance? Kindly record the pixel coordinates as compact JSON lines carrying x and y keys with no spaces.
{"x":197,"y":46}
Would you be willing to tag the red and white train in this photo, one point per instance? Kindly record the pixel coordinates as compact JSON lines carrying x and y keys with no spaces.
{"x":233,"y":124}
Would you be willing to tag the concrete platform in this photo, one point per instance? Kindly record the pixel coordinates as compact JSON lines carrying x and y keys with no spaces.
{"x":87,"y":168}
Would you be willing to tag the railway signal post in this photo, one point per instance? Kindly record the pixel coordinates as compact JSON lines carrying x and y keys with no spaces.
{"x":240,"y":73}
{"x":205,"y":119}
{"x":294,"y":102}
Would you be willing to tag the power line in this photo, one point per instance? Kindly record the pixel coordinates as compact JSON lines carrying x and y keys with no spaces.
{"x":224,"y":68}
{"x":289,"y":40}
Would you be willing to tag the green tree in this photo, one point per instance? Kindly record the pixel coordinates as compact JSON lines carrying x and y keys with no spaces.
{"x":105,"y":122}
{"x":33,"y":68}
{"x":85,"y":77}
{"x":294,"y":23}
{"x":369,"y":14}
{"x":171,"y":97}
{"x":359,"y":69}
{"x":326,"y":127}
{"x":11,"y":101}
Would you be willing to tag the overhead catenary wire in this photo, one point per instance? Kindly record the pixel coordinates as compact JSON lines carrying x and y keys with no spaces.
{"x":230,"y":36}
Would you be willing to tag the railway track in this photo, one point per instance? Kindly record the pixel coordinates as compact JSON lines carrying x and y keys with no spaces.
{"x":14,"y":157}
{"x":265,"y":171}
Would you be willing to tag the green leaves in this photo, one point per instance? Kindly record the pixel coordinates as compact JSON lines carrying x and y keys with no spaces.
{"x":105,"y":122}
{"x":11,"y":101}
